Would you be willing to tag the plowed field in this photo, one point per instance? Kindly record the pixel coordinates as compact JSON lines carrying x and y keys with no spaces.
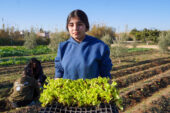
{"x":143,"y":81}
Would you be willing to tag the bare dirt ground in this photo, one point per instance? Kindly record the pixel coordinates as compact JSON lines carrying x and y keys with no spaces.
{"x":145,"y":46}
{"x":149,"y":91}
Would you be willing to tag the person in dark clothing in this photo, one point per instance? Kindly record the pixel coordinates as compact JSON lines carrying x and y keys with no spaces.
{"x":25,"y":90}
{"x":35,"y":66}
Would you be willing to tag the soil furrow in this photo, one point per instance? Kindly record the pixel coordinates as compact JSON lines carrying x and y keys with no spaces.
{"x":139,"y":63}
{"x":145,"y":90}
{"x":132,"y":78}
{"x":158,"y":103}
{"x":135,"y":69}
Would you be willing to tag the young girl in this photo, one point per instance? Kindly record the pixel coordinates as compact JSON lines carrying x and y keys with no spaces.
{"x":82,"y":56}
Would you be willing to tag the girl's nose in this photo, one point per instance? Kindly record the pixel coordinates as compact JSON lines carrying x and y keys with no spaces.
{"x":75,"y":27}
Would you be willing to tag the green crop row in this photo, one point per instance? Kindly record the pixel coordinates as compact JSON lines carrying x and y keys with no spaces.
{"x":25,"y":59}
{"x":8,"y":51}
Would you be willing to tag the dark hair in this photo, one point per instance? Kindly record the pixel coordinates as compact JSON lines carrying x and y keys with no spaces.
{"x":27,"y":72}
{"x":37,"y":71}
{"x":34,"y":60}
{"x":81,"y":15}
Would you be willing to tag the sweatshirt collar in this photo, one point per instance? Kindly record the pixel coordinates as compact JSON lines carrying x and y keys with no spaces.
{"x":86,"y":39}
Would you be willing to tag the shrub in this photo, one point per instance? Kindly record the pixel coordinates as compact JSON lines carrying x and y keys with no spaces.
{"x":99,"y":31}
{"x":107,"y":39}
{"x":134,"y":44}
{"x":118,"y":49}
{"x":164,"y":41}
{"x":30,"y":40}
{"x":9,"y":36}
{"x":56,"y":38}
{"x":42,"y":40}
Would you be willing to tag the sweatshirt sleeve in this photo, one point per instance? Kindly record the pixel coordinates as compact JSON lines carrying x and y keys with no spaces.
{"x":105,"y":65}
{"x":58,"y":67}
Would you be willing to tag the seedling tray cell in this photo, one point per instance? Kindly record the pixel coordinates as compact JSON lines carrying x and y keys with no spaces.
{"x":56,"y":108}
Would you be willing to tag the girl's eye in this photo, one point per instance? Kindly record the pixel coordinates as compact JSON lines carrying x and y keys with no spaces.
{"x":70,"y":25}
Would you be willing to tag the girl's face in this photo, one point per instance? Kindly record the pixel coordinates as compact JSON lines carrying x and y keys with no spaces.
{"x":77,"y":29}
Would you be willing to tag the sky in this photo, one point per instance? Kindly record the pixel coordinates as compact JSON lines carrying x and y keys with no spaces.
{"x":122,"y":15}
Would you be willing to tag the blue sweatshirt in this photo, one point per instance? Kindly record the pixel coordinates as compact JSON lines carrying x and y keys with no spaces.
{"x":88,"y":59}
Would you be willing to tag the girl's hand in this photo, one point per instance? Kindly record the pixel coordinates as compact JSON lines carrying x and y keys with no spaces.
{"x":56,"y":78}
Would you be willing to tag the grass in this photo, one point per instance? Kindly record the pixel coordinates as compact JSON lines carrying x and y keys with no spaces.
{"x":4,"y":92}
{"x":9,"y":78}
{"x":138,"y":49}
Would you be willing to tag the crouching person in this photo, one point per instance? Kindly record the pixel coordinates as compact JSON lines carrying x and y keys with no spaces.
{"x":35,"y":66}
{"x":25,"y":90}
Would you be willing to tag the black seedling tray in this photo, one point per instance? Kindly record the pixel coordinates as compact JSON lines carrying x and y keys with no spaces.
{"x":57,"y":108}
